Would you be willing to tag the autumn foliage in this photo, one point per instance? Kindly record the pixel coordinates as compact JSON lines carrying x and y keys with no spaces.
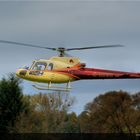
{"x":111,"y":112}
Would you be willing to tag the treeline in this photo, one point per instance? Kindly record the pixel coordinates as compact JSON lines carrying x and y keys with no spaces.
{"x":111,"y":112}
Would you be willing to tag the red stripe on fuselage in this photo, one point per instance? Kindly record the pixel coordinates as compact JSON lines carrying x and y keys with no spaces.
{"x":91,"y":73}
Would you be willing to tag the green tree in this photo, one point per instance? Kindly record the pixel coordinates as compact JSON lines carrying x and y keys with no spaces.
{"x":11,"y":102}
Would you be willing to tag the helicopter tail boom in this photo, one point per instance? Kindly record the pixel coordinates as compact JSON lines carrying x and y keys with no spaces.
{"x":91,"y":73}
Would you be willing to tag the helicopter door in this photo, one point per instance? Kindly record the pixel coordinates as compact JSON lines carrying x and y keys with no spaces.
{"x":50,"y":66}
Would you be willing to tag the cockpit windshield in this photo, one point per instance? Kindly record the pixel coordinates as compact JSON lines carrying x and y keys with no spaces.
{"x":39,"y":66}
{"x":26,"y":67}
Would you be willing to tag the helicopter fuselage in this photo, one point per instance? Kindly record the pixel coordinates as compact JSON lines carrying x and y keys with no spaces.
{"x":71,"y":74}
{"x":60,"y":70}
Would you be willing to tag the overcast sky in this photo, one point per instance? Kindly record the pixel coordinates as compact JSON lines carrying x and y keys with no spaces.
{"x":74,"y":24}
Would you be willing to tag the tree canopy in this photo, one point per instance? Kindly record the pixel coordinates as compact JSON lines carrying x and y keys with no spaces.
{"x":111,"y":112}
{"x":11,"y":104}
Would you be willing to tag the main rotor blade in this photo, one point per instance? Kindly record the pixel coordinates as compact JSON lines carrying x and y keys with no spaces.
{"x":24,"y":44}
{"x":94,"y":47}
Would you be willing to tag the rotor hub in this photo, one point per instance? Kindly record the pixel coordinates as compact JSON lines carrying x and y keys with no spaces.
{"x":61,"y":51}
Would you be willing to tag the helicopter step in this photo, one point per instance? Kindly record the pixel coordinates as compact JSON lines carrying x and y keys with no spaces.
{"x":53,"y":88}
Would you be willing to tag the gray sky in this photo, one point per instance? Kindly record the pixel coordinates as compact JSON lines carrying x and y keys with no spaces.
{"x":74,"y":24}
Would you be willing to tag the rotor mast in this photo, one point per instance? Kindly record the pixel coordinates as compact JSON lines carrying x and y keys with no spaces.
{"x":61,"y":52}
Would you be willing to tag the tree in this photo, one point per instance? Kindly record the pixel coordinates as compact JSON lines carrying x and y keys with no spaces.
{"x":115,"y":111}
{"x":11,"y":102}
{"x":47,"y":113}
{"x":85,"y":122}
{"x":70,"y":124}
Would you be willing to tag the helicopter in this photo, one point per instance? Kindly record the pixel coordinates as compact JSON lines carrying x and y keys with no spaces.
{"x":65,"y":69}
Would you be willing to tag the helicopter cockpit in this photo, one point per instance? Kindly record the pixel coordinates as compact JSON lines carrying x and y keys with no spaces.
{"x":25,"y":67}
{"x":41,"y":66}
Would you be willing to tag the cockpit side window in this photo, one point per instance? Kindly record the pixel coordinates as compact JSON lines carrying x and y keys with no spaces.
{"x":50,"y":66}
{"x":39,"y":66}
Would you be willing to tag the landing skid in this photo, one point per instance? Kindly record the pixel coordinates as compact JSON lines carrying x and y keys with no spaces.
{"x":53,"y":88}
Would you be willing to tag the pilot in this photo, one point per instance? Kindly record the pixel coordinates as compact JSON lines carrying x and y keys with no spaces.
{"x":39,"y":67}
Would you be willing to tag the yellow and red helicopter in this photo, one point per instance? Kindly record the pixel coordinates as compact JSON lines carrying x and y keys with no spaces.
{"x":62,"y":69}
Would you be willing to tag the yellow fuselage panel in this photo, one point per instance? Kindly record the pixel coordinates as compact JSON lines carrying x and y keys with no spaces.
{"x":60,"y":62}
{"x":44,"y":76}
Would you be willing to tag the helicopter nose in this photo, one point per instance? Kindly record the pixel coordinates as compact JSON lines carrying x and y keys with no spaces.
{"x":21,"y":73}
{"x":17,"y":72}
